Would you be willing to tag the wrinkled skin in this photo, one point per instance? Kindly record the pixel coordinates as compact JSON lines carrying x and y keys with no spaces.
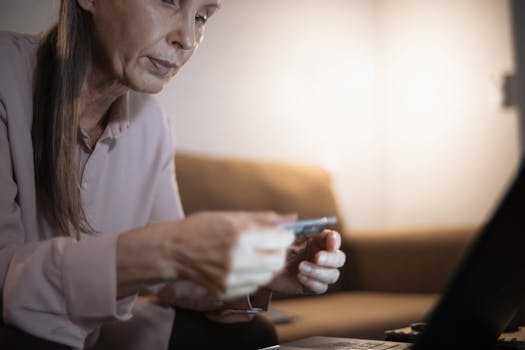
{"x":136,"y":45}
{"x":230,"y":254}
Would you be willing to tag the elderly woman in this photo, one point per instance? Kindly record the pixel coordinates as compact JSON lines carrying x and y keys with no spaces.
{"x":95,"y":251}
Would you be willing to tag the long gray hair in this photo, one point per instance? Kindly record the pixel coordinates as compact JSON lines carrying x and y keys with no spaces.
{"x":61,"y":67}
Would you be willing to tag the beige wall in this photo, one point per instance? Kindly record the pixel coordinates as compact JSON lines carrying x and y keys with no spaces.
{"x":451,"y":147}
{"x":29,"y":16}
{"x":397,"y":98}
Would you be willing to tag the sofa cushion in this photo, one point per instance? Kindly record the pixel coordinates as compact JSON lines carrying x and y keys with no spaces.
{"x":410,"y":260}
{"x":351,"y":314}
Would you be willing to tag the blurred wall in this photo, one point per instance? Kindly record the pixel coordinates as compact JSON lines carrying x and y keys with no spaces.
{"x":451,"y":146}
{"x":399,"y":99}
{"x":28,"y":16}
{"x":518,"y":21}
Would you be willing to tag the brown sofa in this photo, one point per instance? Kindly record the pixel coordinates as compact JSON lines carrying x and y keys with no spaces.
{"x":392,"y":277}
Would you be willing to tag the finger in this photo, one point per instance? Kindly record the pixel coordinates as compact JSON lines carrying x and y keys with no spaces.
{"x":332,"y":240}
{"x":237,"y":292}
{"x":266,"y":239}
{"x":312,"y":284}
{"x":248,"y":279}
{"x":321,"y":274}
{"x":327,"y":239}
{"x":330,"y":259}
{"x":272,"y":218}
{"x":248,"y":260}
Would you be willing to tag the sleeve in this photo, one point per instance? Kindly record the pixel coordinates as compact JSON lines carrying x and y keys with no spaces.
{"x":59,"y":289}
{"x":167,"y":204}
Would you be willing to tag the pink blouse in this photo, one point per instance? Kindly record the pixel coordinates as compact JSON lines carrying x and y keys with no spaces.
{"x":63,"y":289}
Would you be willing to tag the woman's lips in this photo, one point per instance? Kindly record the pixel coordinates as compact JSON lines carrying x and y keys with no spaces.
{"x":162,"y":66}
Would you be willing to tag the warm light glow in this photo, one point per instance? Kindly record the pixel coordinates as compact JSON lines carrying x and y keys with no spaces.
{"x":443,"y":127}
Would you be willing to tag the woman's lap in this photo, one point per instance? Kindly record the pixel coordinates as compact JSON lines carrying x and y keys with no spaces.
{"x":193,"y":330}
{"x":12,"y":338}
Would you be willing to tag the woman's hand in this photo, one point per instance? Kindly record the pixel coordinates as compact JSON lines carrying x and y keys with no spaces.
{"x":228,"y":253}
{"x":191,"y":296}
{"x":188,"y":295}
{"x":312,"y":264}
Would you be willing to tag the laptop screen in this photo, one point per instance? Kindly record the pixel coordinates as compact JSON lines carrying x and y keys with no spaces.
{"x":489,"y":285}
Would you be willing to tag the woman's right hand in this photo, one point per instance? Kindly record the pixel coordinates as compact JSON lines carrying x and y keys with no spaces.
{"x":231,"y":254}
{"x":228,"y":253}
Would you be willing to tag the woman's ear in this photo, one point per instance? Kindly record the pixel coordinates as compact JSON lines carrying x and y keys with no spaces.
{"x":87,"y":5}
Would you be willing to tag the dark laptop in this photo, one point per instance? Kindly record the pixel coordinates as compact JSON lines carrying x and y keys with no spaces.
{"x":482,"y":297}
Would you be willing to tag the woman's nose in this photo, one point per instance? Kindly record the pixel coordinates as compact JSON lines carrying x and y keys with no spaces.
{"x":183,"y":34}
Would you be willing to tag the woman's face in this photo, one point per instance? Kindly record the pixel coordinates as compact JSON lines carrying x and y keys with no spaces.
{"x":143,"y":43}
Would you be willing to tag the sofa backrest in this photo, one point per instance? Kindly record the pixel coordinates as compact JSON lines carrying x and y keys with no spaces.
{"x":208,"y":183}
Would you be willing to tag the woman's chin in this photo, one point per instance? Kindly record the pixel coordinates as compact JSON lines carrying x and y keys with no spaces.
{"x":145,"y":81}
{"x":149,"y":87}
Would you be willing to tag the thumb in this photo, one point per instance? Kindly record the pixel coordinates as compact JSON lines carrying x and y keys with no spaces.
{"x":330,"y":240}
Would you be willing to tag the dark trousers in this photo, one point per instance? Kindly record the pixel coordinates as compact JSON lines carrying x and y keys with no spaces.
{"x":12,"y":338}
{"x":193,"y":330}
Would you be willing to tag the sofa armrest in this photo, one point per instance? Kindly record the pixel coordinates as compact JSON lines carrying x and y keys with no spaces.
{"x":416,"y":261}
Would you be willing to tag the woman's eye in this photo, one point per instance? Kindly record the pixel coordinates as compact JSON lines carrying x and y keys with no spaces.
{"x":201,"y":17}
{"x":169,"y":2}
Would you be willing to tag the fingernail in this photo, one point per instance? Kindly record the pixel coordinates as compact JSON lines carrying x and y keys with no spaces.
{"x":322,"y":259}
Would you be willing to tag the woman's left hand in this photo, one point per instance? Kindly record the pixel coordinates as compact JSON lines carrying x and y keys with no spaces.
{"x":189,"y":295}
{"x":312,"y":264}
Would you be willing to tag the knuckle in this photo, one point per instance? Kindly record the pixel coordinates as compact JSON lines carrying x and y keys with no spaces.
{"x":270,"y":214}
